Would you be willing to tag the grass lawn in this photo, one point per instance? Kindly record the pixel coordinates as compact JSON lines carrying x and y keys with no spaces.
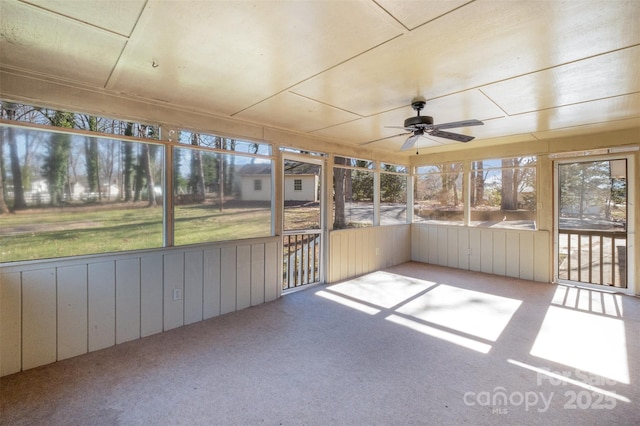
{"x":72,"y":231}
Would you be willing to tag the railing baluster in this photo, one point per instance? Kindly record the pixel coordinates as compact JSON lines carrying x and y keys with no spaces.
{"x":590,"y":258}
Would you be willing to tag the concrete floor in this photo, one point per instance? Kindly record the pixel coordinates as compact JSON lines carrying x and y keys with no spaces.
{"x":413,"y":344}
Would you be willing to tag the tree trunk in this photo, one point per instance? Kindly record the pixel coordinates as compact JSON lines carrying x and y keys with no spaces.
{"x":146,"y":164}
{"x":339,"y":175}
{"x":19,"y":202}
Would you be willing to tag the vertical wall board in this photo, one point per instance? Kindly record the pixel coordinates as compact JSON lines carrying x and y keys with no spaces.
{"x":512,"y":254}
{"x":38,"y":318}
{"x":486,"y":251}
{"x":127,"y":300}
{"x":243,"y":277}
{"x":351,"y":255}
{"x":526,"y":255}
{"x":434,"y":250}
{"x":211,"y":283}
{"x":367,"y":252}
{"x":193,"y":286}
{"x":228,"y":280}
{"x":359,"y":253}
{"x":271,"y":268}
{"x":452,"y":247}
{"x":151,"y":295}
{"x":344,"y":255}
{"x":463,"y":248}
{"x":334,"y":256}
{"x":173,"y":280}
{"x":257,"y":274}
{"x":415,"y":243}
{"x":542,"y":247}
{"x":406,"y":231}
{"x":442,"y":246}
{"x":10,"y":323}
{"x":102,"y":305}
{"x":424,"y":244}
{"x":72,"y":311}
{"x":499,"y":253}
{"x":475,"y":247}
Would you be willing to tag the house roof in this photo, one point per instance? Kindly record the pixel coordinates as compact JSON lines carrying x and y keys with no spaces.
{"x":342,"y":70}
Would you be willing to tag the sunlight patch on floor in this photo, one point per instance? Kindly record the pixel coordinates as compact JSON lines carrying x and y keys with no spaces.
{"x":583,"y":340}
{"x":348,"y":302}
{"x":382,"y":289}
{"x":440,"y":334}
{"x":475,"y":313}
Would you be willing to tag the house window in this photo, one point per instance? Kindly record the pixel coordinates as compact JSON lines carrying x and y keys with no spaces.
{"x":297,"y":185}
{"x":257,"y":185}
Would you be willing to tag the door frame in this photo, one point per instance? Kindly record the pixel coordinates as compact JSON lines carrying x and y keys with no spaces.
{"x":320,"y":161}
{"x":631,"y":178}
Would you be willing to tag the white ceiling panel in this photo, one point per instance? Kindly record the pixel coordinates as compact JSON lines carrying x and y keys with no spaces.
{"x":413,"y":13}
{"x":478,"y":44}
{"x":342,"y":70}
{"x":225,"y":56}
{"x":120,"y":15}
{"x":603,"y":76}
{"x":54,"y":45}
{"x":290,"y":111}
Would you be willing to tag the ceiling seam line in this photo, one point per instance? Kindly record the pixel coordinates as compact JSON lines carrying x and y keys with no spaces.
{"x":325,"y":104}
{"x":78,"y":21}
{"x":391,"y":15}
{"x":318,"y":73}
{"x":574,"y":103}
{"x":440,"y":16}
{"x":493,"y":102}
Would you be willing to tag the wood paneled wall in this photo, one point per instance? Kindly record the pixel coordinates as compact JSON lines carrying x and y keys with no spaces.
{"x":355,"y":252}
{"x":507,"y":252}
{"x":55,"y":310}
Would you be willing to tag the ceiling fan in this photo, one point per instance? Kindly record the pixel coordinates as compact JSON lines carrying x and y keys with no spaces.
{"x":421,"y":125}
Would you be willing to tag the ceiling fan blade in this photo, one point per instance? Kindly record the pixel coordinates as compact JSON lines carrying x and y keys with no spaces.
{"x":411,"y":140}
{"x":385,"y":138}
{"x":408,"y":129}
{"x":453,"y":136}
{"x":454,"y":124}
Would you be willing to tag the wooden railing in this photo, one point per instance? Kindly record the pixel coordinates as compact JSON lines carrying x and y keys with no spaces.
{"x":301,"y":257}
{"x":594,"y":257}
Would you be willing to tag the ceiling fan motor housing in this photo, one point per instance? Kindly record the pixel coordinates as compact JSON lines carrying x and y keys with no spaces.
{"x":419,"y":121}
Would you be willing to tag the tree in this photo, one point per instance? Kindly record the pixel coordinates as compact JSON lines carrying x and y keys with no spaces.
{"x":91,"y":158}
{"x":4,"y":209}
{"x":19,"y":202}
{"x":58,"y":148}
{"x":146,"y":167}
{"x":128,"y":166}
{"x":339,"y":220}
{"x":509,"y":191}
{"x":196,"y":182}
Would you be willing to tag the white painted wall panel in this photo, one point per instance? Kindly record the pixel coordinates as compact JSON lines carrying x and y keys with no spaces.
{"x":512,"y":254}
{"x":359,"y":253}
{"x":211,"y":283}
{"x":10,"y":323}
{"x":486,"y":251}
{"x":173,"y":280}
{"x":475,"y":246}
{"x":151,"y":295}
{"x":344,"y":255}
{"x":127,"y":300}
{"x":257,"y":274}
{"x":526,"y":255}
{"x":193,"y":286}
{"x":271,"y":268}
{"x":102,"y":305}
{"x":68,"y":308}
{"x":433,"y":245}
{"x":463,"y":248}
{"x":72,"y":311}
{"x":243,"y":277}
{"x":228,"y":280}
{"x":542,"y":245}
{"x":351,"y":254}
{"x":499,"y":253}
{"x":452,"y":247}
{"x":38,"y":317}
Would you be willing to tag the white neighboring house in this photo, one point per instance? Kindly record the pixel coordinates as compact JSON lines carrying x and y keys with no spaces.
{"x":255,"y":184}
